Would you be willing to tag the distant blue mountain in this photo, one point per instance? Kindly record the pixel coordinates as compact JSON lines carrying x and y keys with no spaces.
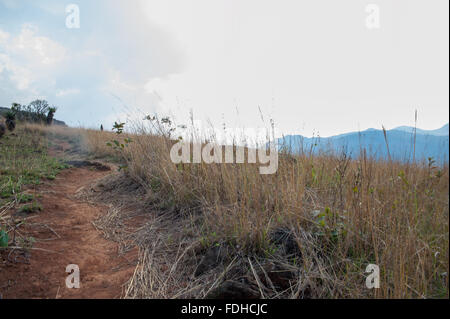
{"x":443,"y":131}
{"x":428,"y":143}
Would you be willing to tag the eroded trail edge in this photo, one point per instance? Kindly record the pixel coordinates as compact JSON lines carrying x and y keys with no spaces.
{"x":64,"y":233}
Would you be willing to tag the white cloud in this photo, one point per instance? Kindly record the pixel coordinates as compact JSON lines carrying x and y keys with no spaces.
{"x":304,"y":63}
{"x":4,"y":36}
{"x":27,"y":58}
{"x":21,"y":76}
{"x":97,"y":70}
{"x":36,"y":49}
{"x":307,"y":64}
{"x":60,"y":93}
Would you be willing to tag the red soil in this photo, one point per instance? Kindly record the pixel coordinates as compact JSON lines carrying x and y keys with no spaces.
{"x":65,"y":234}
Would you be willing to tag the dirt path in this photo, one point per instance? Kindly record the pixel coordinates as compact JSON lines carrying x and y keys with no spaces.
{"x":65,"y":234}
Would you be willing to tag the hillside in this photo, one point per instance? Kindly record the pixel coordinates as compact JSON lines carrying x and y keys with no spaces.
{"x":150,"y":228}
{"x":443,"y":131}
{"x":432,"y":143}
{"x":3,"y":110}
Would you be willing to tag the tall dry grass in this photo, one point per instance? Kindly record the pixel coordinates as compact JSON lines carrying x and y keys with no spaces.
{"x":345,"y":213}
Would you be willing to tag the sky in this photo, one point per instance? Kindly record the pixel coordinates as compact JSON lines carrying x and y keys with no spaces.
{"x":321,"y":67}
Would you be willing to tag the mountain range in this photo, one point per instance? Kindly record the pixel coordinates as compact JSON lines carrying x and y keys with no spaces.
{"x":428,"y":144}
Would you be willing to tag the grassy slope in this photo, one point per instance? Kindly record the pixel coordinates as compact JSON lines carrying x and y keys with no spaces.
{"x":24,"y":161}
{"x":341,"y":213}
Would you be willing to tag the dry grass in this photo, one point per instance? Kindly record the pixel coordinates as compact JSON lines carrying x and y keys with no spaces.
{"x":342,"y":213}
{"x":24,"y":162}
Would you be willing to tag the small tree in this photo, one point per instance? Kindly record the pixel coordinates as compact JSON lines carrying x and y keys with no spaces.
{"x":2,"y":129}
{"x":17,"y":109}
{"x":38,"y":110}
{"x":50,"y":115}
{"x":10,"y":120}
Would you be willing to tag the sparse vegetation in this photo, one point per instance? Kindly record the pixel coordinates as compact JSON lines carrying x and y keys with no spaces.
{"x":10,"y":121}
{"x":50,"y":115}
{"x":30,"y":208}
{"x":342,"y":214}
{"x":308,"y":231}
{"x":2,"y":129}
{"x":24,"y":161}
{"x":38,"y":111}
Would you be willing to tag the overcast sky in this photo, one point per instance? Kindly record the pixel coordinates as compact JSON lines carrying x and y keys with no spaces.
{"x":310,"y":65}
